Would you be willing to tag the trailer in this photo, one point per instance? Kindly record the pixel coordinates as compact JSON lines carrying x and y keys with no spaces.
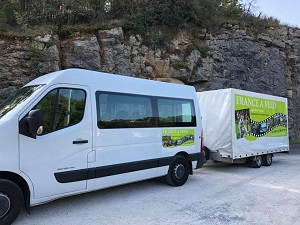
{"x":241,"y":126}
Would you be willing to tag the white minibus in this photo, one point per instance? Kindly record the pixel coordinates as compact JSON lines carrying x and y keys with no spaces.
{"x":75,"y":131}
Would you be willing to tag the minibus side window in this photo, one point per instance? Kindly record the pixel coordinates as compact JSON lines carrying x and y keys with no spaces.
{"x":117,"y":110}
{"x":175,"y":113}
{"x":62,"y":107}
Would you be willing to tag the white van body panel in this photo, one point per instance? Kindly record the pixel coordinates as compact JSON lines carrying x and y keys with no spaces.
{"x":123,"y":146}
{"x":9,"y":157}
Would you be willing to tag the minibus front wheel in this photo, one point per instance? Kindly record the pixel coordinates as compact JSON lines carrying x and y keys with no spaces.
{"x":11,"y":201}
{"x":178,"y":171}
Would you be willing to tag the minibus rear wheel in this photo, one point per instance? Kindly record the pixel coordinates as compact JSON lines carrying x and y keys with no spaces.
{"x":178,"y":171}
{"x":11,"y":201}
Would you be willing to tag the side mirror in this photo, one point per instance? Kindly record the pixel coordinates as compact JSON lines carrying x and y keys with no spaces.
{"x":35,"y":122}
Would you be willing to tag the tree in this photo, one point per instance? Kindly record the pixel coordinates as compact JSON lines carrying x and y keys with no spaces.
{"x":231,"y":8}
{"x":2,"y":20}
{"x":249,"y":7}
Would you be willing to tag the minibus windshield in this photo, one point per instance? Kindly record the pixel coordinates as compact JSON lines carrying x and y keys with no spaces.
{"x":20,"y":96}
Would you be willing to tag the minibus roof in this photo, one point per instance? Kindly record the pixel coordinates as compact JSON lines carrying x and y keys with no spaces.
{"x":115,"y":83}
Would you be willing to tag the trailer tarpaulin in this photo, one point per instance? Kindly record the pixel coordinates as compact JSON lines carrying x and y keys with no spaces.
{"x":239,"y":123}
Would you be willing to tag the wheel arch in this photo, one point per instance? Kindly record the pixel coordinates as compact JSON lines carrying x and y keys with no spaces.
{"x":188,"y":158}
{"x":21,"y":182}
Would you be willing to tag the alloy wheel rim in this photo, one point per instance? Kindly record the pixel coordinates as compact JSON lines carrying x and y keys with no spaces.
{"x":179,"y":171}
{"x":4,"y":204}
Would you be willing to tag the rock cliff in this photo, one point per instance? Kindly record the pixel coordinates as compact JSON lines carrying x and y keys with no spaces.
{"x":265,"y":63}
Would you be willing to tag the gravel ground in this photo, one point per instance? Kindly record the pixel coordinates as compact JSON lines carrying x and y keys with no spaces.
{"x":219,"y":193}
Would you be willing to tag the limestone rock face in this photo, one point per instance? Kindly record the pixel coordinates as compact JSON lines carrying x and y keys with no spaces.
{"x":245,"y":63}
{"x":81,"y":52}
{"x":113,"y":52}
{"x":266,"y":63}
{"x":15,"y":66}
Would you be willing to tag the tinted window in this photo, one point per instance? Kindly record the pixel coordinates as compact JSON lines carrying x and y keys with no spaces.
{"x":62,"y":108}
{"x":123,"y":110}
{"x":175,"y":113}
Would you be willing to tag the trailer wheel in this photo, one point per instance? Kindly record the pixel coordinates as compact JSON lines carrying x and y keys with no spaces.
{"x":11,"y":201}
{"x":267,"y":160}
{"x":178,"y":171}
{"x":257,"y":162}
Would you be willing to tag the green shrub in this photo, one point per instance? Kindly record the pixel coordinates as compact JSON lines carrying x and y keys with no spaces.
{"x":138,"y":15}
{"x":2,"y":20}
{"x":204,"y":51}
{"x":180,"y":65}
{"x":232,"y":8}
{"x":190,"y":48}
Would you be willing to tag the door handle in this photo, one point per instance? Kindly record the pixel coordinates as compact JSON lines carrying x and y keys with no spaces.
{"x":80,"y":142}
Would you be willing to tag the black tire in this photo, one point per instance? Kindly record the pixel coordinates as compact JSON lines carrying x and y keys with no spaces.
{"x":267,"y":160}
{"x":257,"y":162}
{"x":206,"y":154}
{"x":11,"y":201}
{"x":178,"y":172}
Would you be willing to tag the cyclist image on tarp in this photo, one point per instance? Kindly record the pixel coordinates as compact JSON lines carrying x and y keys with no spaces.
{"x":168,"y":141}
{"x":242,"y":121}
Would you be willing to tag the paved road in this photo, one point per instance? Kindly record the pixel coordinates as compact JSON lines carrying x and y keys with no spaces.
{"x":219,"y":193}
